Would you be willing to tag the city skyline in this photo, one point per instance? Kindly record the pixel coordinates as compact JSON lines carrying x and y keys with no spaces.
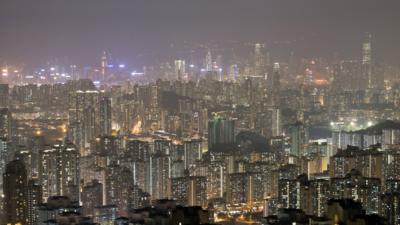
{"x":138,"y":31}
{"x":199,"y":112}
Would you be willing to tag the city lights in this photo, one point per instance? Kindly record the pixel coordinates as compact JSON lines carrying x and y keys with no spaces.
{"x":191,"y":113}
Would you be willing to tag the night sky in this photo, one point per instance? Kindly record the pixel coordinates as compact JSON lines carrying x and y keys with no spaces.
{"x":37,"y":30}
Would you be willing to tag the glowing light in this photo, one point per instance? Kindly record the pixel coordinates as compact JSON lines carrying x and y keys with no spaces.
{"x":191,"y":66}
{"x":121,"y":66}
{"x":52,"y":69}
{"x":137,"y":128}
{"x":370,"y":123}
{"x":134,"y":73}
{"x":352,"y":123}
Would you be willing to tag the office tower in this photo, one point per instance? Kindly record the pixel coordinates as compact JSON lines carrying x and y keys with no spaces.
{"x":276,"y":129}
{"x":298,"y":138}
{"x":221,"y":134}
{"x":259,"y":59}
{"x":208,"y":62}
{"x":5,"y":123}
{"x":274,"y":85}
{"x":180,"y":69}
{"x":15,"y":191}
{"x":34,"y":198}
{"x":105,"y":116}
{"x":4,"y":95}
{"x":367,"y":60}
{"x":92,"y":196}
{"x":104,"y":65}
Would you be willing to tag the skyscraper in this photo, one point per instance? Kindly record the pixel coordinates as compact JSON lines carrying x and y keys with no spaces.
{"x":105,"y":116}
{"x":4,"y":146}
{"x":4,"y":95}
{"x":5,"y":123}
{"x":259,"y":59}
{"x":59,"y":171}
{"x":367,"y":60}
{"x":208,"y":62}
{"x":298,"y":138}
{"x":180,"y":69}
{"x":34,"y":198}
{"x":221,"y":133}
{"x":92,"y":196}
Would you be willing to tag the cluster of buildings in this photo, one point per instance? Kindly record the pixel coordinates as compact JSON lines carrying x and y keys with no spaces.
{"x":259,"y":143}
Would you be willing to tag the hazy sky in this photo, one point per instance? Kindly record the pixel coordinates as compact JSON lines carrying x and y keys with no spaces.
{"x":37,"y":30}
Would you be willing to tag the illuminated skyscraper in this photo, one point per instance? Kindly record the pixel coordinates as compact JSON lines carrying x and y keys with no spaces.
{"x":208,"y":62}
{"x":367,"y":60}
{"x":4,"y":146}
{"x":59,"y":171}
{"x":259,"y":59}
{"x":180,"y":69}
{"x":5,"y":123}
{"x":104,"y":65}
